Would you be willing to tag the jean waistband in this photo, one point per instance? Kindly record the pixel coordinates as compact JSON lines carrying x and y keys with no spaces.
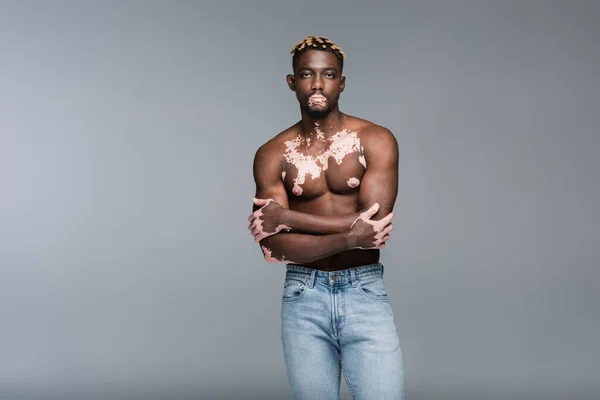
{"x":351,"y":275}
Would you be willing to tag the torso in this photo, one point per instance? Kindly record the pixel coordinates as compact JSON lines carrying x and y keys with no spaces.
{"x":322,"y":176}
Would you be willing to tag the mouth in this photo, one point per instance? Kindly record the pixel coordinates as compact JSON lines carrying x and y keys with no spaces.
{"x":317,"y":99}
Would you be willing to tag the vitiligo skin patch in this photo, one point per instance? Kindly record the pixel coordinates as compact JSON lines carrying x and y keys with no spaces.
{"x":297,"y":190}
{"x":353,"y":182}
{"x":269,"y":256}
{"x":319,"y":132}
{"x":361,"y":159}
{"x":317,"y":99}
{"x":340,"y":145}
{"x":258,"y":225}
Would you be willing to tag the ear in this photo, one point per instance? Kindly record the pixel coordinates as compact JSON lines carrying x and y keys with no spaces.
{"x":343,"y":84}
{"x":291,"y":82}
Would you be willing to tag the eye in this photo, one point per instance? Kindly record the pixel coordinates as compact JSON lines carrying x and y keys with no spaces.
{"x":305,"y":74}
{"x":330,"y":75}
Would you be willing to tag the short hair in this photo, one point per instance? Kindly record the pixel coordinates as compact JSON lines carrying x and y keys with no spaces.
{"x":317,"y":43}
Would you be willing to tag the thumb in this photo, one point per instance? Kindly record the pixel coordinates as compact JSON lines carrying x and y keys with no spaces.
{"x":260,"y":202}
{"x":372,"y":211}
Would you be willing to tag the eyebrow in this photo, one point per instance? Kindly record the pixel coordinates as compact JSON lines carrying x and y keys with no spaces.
{"x":312,"y":69}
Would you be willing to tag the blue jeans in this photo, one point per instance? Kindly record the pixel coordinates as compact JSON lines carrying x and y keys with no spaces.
{"x":333,"y":322}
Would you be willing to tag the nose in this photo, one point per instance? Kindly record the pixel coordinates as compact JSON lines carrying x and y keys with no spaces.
{"x":317,"y":83}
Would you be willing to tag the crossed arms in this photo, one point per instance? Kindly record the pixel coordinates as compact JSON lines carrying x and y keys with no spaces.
{"x":290,"y":236}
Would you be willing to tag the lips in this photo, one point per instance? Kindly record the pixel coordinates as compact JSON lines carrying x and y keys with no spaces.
{"x":317,"y":99}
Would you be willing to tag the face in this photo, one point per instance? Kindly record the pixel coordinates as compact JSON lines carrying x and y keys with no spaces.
{"x":317,"y":81}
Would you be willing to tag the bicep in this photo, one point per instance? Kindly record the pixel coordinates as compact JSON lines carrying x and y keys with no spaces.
{"x":380,"y":182}
{"x":267,"y":176}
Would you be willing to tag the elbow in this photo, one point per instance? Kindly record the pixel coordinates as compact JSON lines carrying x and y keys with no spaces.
{"x":272,"y":250}
{"x":269,"y":257}
{"x":272,"y":260}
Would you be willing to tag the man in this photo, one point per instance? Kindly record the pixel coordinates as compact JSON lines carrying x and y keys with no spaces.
{"x":325,"y":190}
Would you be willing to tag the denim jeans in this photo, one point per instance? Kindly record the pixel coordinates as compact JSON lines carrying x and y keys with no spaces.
{"x":334,"y":322}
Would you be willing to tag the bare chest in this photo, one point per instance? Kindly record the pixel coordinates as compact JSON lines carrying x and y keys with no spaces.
{"x":313,"y":167}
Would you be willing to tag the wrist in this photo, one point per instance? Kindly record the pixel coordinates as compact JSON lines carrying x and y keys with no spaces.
{"x":284,"y":218}
{"x":350,"y":240}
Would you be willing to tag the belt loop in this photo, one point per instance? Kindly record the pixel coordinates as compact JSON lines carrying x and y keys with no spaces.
{"x":311,"y":279}
{"x":353,"y":278}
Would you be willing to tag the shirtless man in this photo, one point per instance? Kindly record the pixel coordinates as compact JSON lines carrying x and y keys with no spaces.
{"x":325,"y":190}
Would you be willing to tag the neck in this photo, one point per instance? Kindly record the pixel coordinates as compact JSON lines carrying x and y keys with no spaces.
{"x":327,"y":125}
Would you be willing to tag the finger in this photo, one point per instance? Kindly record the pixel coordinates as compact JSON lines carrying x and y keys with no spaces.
{"x":387,"y":230}
{"x":380,"y":236}
{"x":372,"y":211}
{"x":259,"y":237}
{"x":251,"y":217}
{"x":260,"y":202}
{"x":381,"y":246}
{"x":387,"y":219}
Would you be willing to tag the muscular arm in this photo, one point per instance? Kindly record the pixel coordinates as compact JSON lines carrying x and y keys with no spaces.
{"x":300,"y":248}
{"x":380,"y":182}
{"x":318,"y":224}
{"x":290,"y":247}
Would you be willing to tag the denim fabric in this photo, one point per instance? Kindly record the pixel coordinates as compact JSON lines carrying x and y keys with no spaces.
{"x":334,"y":322}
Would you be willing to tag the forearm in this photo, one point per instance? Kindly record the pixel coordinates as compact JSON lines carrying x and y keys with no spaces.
{"x":302,"y":248}
{"x":318,"y":224}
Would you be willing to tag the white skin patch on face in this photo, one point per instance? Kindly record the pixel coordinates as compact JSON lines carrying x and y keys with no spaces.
{"x":341,"y":144}
{"x":283,"y":176}
{"x":317,"y":99}
{"x":353,"y":182}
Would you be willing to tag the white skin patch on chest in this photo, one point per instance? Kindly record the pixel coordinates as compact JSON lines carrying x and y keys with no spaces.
{"x":361,"y":158}
{"x":353,"y":182}
{"x":340,"y":145}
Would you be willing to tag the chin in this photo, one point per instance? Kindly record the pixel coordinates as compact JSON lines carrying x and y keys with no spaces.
{"x":317,"y":112}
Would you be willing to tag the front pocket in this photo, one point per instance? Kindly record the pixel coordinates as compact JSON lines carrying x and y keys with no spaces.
{"x":293,"y":290}
{"x":373,"y":288}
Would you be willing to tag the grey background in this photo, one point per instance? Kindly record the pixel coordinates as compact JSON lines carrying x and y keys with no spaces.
{"x":127,"y":136}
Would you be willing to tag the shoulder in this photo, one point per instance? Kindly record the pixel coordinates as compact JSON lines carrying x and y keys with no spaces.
{"x":377,"y":133}
{"x":275,"y":147}
{"x":373,"y":137}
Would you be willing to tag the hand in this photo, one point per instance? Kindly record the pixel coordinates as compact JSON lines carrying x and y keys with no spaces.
{"x":266,"y":221}
{"x":368,"y":234}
